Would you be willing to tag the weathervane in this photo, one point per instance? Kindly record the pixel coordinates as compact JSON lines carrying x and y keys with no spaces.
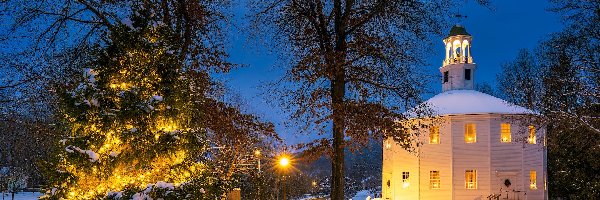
{"x":459,"y":17}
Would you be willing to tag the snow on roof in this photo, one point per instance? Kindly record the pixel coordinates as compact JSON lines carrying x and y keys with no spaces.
{"x":454,"y":102}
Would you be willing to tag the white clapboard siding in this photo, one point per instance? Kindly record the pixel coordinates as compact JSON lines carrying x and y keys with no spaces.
{"x":471,"y":156}
{"x":494,"y":161}
{"x":437,"y":157}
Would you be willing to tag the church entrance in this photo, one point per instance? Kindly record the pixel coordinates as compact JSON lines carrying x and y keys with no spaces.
{"x":509,"y":188}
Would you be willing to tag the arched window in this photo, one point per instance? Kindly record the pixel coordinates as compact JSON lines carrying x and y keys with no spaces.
{"x":456,"y":46}
{"x":448,"y":50}
{"x":466,"y":50}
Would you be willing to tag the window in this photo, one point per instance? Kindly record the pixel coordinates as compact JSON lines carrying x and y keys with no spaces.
{"x":531,"y":139}
{"x":445,"y":76}
{"x":470,"y":133}
{"x":505,"y":132}
{"x":434,"y":179}
{"x":532,"y":180}
{"x":405,"y":179}
{"x":434,"y":135}
{"x":467,"y":74}
{"x":471,"y":179}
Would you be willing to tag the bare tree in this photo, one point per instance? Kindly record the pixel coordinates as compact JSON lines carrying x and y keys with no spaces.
{"x":352,"y":67}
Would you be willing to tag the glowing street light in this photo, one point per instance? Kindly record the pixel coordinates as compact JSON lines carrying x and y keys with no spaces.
{"x":257,"y":152}
{"x":284,"y":162}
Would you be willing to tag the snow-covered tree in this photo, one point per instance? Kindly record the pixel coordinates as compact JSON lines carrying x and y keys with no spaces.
{"x":140,"y":120}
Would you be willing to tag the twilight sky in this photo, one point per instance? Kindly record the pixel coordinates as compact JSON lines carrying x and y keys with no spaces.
{"x":498,"y":35}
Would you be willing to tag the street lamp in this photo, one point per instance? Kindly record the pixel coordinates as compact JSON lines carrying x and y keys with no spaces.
{"x":284,"y":162}
{"x":257,"y":154}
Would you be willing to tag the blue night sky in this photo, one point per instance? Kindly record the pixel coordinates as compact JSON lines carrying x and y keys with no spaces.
{"x":498,"y":35}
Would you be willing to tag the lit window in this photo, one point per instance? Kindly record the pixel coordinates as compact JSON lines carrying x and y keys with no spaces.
{"x":471,"y":179}
{"x":434,"y":135}
{"x":405,"y":179}
{"x":531,"y":139}
{"x":470,"y":133}
{"x":434,"y":179}
{"x":505,"y":132}
{"x":532,"y":180}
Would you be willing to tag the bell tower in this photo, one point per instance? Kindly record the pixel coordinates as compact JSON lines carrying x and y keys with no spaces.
{"x":458,"y":67}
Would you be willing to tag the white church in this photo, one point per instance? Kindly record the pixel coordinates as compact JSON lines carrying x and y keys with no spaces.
{"x":479,"y":149}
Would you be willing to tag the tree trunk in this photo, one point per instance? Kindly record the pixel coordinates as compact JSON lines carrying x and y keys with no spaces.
{"x":338,"y":91}
{"x":337,"y":165}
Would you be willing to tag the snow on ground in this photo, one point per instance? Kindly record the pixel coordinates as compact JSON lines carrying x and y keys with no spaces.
{"x":363,"y":195}
{"x":22,"y":196}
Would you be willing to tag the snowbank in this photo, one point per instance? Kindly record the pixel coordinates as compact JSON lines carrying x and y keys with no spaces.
{"x":23,"y":195}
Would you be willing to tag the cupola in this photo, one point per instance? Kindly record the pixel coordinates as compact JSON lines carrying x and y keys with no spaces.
{"x":458,"y":67}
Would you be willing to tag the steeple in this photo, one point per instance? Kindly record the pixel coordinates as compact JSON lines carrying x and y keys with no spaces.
{"x":458,"y":67}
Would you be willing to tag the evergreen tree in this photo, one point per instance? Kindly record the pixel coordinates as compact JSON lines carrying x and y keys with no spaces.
{"x":135,"y":120}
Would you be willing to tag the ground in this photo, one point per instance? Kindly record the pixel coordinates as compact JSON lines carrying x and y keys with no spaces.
{"x":22,"y":196}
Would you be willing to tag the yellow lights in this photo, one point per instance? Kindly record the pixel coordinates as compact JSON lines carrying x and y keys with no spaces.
{"x":532,"y":180}
{"x":471,"y":179}
{"x":505,"y":135}
{"x":434,"y":135}
{"x":257,"y":153}
{"x":532,"y":136}
{"x":314,"y":184}
{"x":167,"y":126}
{"x":284,"y":161}
{"x":470,"y":133}
{"x":388,"y":145}
{"x":434,"y":179}
{"x":122,"y":86}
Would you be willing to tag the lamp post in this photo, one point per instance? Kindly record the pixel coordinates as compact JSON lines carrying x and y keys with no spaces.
{"x":257,"y":154}
{"x":283,"y":163}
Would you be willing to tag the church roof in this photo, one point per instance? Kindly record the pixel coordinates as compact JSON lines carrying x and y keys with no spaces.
{"x":455,"y":102}
{"x":458,"y":30}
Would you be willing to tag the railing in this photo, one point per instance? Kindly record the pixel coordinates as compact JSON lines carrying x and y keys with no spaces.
{"x":457,"y":60}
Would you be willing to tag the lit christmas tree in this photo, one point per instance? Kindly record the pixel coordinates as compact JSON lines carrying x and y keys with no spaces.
{"x":135,"y":121}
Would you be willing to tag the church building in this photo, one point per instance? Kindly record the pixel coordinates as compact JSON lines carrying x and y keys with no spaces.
{"x":479,"y":148}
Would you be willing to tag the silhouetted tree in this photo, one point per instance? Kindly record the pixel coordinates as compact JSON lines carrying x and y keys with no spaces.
{"x":352,"y":67}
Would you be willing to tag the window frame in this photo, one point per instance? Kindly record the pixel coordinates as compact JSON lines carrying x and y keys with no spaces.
{"x":405,"y":179}
{"x":533,"y":180}
{"x":532,"y":137}
{"x":446,"y":76}
{"x":434,"y":178}
{"x":468,"y":73}
{"x":472,"y":186}
{"x":503,"y":137}
{"x":434,"y":133}
{"x":470,"y":134}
